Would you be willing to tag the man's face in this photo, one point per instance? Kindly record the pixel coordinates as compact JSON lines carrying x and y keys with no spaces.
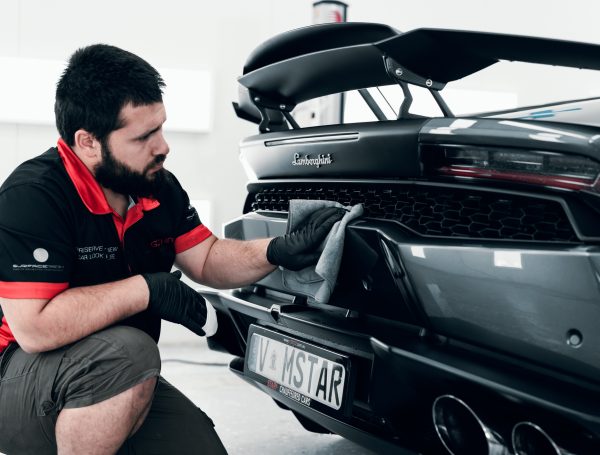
{"x":132,"y":156}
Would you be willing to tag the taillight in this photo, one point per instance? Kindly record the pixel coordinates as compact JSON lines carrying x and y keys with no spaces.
{"x":544,"y":168}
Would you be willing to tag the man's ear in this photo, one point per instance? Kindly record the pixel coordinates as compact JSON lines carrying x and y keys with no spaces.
{"x":87,"y":144}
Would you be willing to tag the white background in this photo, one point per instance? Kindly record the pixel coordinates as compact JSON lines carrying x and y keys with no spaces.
{"x":212,"y":40}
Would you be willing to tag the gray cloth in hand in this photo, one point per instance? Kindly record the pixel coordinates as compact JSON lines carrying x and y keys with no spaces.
{"x":317,"y":282}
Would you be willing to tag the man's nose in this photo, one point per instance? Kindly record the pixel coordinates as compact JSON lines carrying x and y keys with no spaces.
{"x":161,"y":147}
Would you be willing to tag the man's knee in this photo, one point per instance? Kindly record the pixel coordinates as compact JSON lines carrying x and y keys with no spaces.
{"x":130,"y":343}
{"x":135,"y":344}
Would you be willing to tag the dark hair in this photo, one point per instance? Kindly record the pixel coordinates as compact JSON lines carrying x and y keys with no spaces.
{"x":98,"y":81}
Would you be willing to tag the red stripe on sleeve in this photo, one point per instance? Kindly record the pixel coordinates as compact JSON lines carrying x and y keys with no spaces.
{"x":191,"y":238}
{"x":30,"y":290}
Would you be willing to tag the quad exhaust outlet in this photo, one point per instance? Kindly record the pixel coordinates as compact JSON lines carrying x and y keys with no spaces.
{"x":462,"y":431}
{"x":530,"y":439}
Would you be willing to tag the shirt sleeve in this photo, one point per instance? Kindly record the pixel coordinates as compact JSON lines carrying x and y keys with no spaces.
{"x":36,"y":253}
{"x":189,"y":230}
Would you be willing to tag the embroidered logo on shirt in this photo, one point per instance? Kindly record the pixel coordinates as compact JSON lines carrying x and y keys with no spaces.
{"x":40,"y":254}
{"x":160,"y":242}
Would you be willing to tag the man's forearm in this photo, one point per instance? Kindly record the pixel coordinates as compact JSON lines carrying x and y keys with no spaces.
{"x":234,"y":263}
{"x":228,"y":263}
{"x":78,"y":312}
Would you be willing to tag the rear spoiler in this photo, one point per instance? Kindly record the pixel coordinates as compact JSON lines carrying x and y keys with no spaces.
{"x":323,"y":59}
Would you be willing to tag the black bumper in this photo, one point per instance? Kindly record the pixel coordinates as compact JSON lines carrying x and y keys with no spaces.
{"x":397,"y":371}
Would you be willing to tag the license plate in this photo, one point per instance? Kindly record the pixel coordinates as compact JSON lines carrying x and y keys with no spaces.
{"x":298,"y":370}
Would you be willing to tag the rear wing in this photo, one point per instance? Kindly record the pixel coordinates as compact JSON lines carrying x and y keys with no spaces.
{"x":323,"y":59}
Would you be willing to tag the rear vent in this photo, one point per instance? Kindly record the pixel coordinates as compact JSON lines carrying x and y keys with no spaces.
{"x":437,"y":212}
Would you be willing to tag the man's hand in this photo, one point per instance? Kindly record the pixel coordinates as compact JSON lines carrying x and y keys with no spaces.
{"x":175,"y":301}
{"x":296,"y":250}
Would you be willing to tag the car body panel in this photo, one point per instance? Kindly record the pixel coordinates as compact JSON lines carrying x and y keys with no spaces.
{"x":475,"y":270}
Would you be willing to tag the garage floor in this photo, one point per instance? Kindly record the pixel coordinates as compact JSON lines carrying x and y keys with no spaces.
{"x":247,"y":421}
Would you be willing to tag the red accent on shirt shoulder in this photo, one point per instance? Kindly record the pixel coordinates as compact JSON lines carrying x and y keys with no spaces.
{"x":30,"y":290}
{"x":191,"y":238}
{"x":87,"y":187}
{"x":6,"y":336}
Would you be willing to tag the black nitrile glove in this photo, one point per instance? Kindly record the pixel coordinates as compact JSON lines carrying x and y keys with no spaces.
{"x":175,"y":301}
{"x":297,"y":250}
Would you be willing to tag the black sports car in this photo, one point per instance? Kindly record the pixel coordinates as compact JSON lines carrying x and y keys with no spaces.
{"x":464,"y":317}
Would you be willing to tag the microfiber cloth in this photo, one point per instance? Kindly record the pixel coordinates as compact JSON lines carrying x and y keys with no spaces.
{"x":317,"y":282}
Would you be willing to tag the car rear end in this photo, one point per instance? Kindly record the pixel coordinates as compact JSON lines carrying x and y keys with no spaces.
{"x":463,"y":319}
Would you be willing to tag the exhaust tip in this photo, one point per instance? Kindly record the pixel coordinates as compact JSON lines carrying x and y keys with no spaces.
{"x":461,"y":431}
{"x":530,"y":439}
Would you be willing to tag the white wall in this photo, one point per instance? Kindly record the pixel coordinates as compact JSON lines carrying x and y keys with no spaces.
{"x":217,"y":36}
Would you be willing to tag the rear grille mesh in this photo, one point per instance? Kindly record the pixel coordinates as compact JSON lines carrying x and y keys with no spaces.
{"x":437,"y":212}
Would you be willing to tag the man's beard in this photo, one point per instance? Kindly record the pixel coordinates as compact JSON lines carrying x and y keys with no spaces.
{"x":117,"y":176}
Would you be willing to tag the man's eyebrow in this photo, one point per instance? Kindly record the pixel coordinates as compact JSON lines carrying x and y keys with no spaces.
{"x":148,"y":133}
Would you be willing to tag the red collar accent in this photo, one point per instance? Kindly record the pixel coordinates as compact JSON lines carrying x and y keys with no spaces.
{"x":88,"y":188}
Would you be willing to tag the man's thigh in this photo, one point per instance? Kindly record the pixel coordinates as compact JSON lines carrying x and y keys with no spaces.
{"x":174,"y":426}
{"x":34,"y":388}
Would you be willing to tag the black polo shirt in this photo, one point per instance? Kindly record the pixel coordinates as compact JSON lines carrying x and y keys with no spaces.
{"x":57,"y":231}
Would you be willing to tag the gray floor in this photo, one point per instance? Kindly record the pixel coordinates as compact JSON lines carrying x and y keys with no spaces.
{"x":248,"y":421}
